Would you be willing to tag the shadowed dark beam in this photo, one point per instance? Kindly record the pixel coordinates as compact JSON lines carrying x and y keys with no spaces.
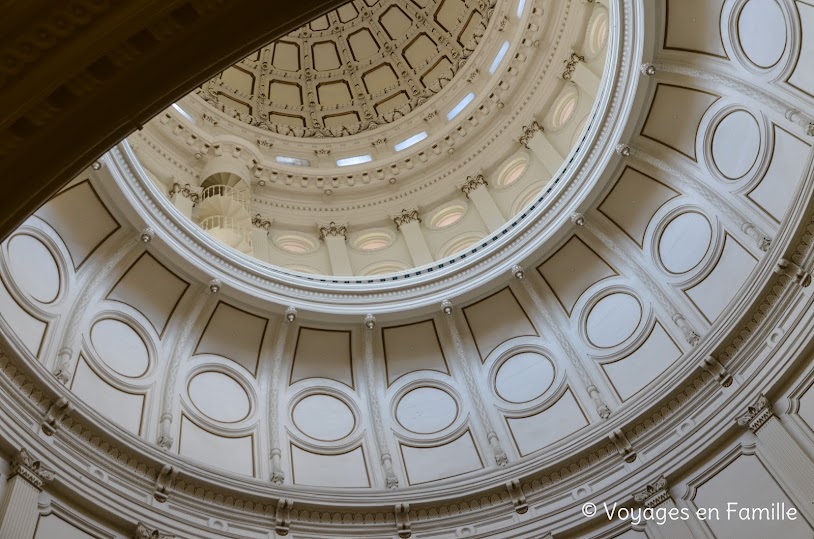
{"x":77,"y":76}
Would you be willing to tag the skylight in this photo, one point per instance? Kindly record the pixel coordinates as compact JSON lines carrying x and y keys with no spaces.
{"x":183,"y":113}
{"x":521,"y":5}
{"x":415,"y":139}
{"x":499,"y":58}
{"x":355,"y":160}
{"x":460,"y":106}
{"x":296,"y":161}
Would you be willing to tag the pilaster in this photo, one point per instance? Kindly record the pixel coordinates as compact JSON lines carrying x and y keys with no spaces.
{"x":475,"y":190}
{"x":18,"y":513}
{"x":408,"y":223}
{"x":534,"y":138}
{"x":655,"y":495}
{"x":334,"y":236}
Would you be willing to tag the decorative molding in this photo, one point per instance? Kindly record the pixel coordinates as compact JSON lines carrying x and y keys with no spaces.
{"x":653,"y":494}
{"x":519,"y":501}
{"x":333,"y":230}
{"x":403,"y":524}
{"x":282,"y":517}
{"x":472,"y":183}
{"x":259,"y":222}
{"x":55,"y":414}
{"x":794,"y":272}
{"x":718,"y":371}
{"x":185,"y":191}
{"x":756,"y":414}
{"x":405,"y":217}
{"x":571,"y":65}
{"x":143,"y":532}
{"x":33,"y":471}
{"x":528,"y":133}
{"x":623,"y":445}
{"x":164,"y":483}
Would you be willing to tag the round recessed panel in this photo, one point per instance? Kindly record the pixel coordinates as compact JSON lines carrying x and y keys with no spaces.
{"x":33,"y":267}
{"x":524,"y":377}
{"x":426,"y":410}
{"x":120,"y":347}
{"x":219,"y":397}
{"x":323,"y":417}
{"x":762,"y":32}
{"x":613,"y":319}
{"x":684,"y":242}
{"x":735,"y":144}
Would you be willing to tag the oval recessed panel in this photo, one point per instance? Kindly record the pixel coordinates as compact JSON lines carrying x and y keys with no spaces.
{"x":684,"y":242}
{"x":524,"y":377}
{"x":762,"y":32}
{"x":735,"y":144}
{"x":426,"y":410}
{"x":120,"y":347}
{"x":33,"y":267}
{"x":219,"y":397}
{"x":613,"y":319}
{"x":323,"y":417}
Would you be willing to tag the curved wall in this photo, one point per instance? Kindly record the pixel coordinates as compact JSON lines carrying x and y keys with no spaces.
{"x":626,"y":347}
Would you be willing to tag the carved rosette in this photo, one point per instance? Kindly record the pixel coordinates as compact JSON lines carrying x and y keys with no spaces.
{"x":757,"y":414}
{"x":406,"y":217}
{"x":333,"y":230}
{"x":653,"y":494}
{"x":30,"y":469}
{"x":472,"y":183}
{"x":529,"y":131}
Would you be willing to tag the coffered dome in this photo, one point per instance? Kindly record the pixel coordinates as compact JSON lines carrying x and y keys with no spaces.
{"x":588,"y":288}
{"x":361,"y":66}
{"x":486,"y":102}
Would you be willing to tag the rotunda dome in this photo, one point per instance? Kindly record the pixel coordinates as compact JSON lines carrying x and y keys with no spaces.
{"x":569,"y":270}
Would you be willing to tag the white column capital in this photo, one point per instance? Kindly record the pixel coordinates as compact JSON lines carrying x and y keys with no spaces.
{"x":143,"y":532}
{"x":30,"y":469}
{"x":653,"y":494}
{"x":757,"y":414}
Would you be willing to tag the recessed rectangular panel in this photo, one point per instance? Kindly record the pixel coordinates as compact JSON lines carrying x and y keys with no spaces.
{"x":746,"y":483}
{"x":573,"y":269}
{"x":322,"y":354}
{"x":802,"y":77}
{"x":79,"y":217}
{"x":346,"y":470}
{"x":238,"y":79}
{"x":675,"y":117}
{"x":633,"y":372}
{"x":150,"y":288}
{"x":537,"y":431}
{"x":30,"y":330}
{"x":634,"y":201}
{"x":787,"y":167}
{"x":234,"y":334}
{"x":714,"y":293}
{"x":694,"y":26}
{"x":497,"y":319}
{"x":425,"y":464}
{"x":234,"y":455}
{"x":124,"y":409}
{"x":411,"y":348}
{"x":53,"y":527}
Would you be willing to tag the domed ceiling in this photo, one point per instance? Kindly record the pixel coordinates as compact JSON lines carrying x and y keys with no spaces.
{"x":627,"y":323}
{"x":363,"y":65}
{"x":411,"y":130}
